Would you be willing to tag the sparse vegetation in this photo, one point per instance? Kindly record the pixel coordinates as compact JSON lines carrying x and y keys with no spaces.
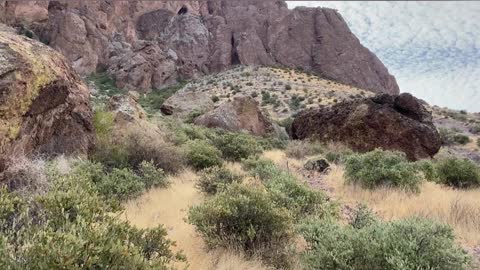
{"x":457,"y":172}
{"x":153,"y":101}
{"x":56,"y":230}
{"x":216,"y":179}
{"x":237,"y":146}
{"x":302,"y":149}
{"x":382,"y":168}
{"x":404,"y":244}
{"x":245,"y":218}
{"x":201,"y":155}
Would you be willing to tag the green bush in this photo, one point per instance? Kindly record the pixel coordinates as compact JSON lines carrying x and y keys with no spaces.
{"x":201,"y":155}
{"x":461,"y":139}
{"x":399,"y":245}
{"x":450,"y":136}
{"x":382,"y":168}
{"x":152,"y":176}
{"x":121,"y":184}
{"x":262,"y":168}
{"x":298,"y":198}
{"x":244,"y":218}
{"x":216,"y":179}
{"x":73,"y":227}
{"x":457,"y":172}
{"x":288,"y":192}
{"x":237,"y":146}
{"x":428,"y":169}
{"x":475,"y":129}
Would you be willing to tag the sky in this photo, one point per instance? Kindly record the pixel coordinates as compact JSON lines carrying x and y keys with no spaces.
{"x":432,"y":48}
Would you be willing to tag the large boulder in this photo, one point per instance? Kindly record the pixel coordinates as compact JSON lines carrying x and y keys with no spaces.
{"x":241,"y":115}
{"x":390,"y":122}
{"x":44,"y":105}
{"x":187,"y":101}
{"x":150,"y":44}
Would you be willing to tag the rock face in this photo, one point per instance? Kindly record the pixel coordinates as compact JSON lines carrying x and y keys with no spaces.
{"x":390,"y":122}
{"x":150,"y":44}
{"x":44,"y":106}
{"x":242,"y":114}
{"x":186,"y":102}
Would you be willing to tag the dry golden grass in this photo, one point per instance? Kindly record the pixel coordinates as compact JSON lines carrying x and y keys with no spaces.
{"x":458,"y":208}
{"x":169,"y":207}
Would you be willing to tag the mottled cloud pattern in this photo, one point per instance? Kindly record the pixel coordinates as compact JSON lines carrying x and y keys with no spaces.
{"x":432,"y":48}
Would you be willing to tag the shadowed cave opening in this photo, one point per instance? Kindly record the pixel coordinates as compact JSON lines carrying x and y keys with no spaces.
{"x":183,"y":10}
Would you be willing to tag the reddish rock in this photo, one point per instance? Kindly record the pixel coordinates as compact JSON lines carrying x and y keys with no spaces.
{"x":243,"y":114}
{"x":44,"y":105}
{"x":389,"y":122}
{"x":150,"y":44}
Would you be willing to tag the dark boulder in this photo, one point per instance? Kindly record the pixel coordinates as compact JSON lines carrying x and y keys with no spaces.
{"x":389,"y":122}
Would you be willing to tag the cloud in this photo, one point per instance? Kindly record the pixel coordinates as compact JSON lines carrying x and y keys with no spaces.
{"x":432,"y":48}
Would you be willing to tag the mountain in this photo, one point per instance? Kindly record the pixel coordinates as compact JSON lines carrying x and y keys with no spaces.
{"x":152,"y":44}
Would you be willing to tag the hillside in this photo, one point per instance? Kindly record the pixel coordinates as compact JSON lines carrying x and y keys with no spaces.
{"x":281,"y":92}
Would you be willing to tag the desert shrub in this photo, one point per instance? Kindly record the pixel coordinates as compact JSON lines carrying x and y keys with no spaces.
{"x":478,"y":142}
{"x":237,"y":146}
{"x":245,"y":218}
{"x":300,"y":200}
{"x":362,"y":217}
{"x":163,"y":155}
{"x":450,"y":136}
{"x":475,"y":129}
{"x":120,"y":184}
{"x":301,"y":149}
{"x":457,"y":172}
{"x":338,"y":156}
{"x":287,"y":191}
{"x":427,"y":168}
{"x":262,"y":168}
{"x":201,"y":155}
{"x":57,"y":230}
{"x":405,"y":244}
{"x":461,"y":139}
{"x":269,"y":143}
{"x":25,"y":176}
{"x":151,"y":176}
{"x":215,"y":99}
{"x":215,"y":179}
{"x":382,"y":168}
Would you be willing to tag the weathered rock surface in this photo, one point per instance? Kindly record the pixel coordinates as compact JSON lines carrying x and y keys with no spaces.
{"x":44,"y":106}
{"x":316,"y":164}
{"x":385,"y":121}
{"x":241,"y":115}
{"x":187,"y":101}
{"x":150,"y":44}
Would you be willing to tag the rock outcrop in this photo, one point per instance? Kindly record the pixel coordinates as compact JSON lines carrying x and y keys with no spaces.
{"x":390,"y":122}
{"x":243,"y":114}
{"x":150,"y":44}
{"x":44,"y":105}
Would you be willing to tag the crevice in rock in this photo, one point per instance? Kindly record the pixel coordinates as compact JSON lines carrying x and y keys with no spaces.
{"x":183,"y":10}
{"x":235,"y":58}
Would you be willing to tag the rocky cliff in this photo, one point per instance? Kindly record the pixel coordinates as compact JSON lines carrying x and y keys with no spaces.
{"x":44,"y":105}
{"x":150,"y":44}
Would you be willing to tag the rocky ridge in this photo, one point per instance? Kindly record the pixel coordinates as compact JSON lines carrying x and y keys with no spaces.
{"x":151,"y":44}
